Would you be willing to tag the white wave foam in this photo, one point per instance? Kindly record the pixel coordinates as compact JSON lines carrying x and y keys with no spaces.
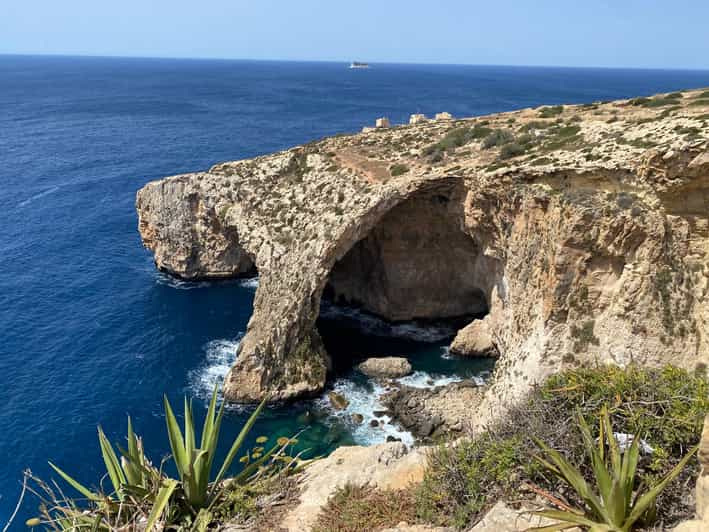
{"x":29,"y":200}
{"x":179,"y":284}
{"x":251,"y":282}
{"x":375,"y":326}
{"x":173,"y":282}
{"x":220,"y":355}
{"x":364,"y":400}
{"x":421,"y":379}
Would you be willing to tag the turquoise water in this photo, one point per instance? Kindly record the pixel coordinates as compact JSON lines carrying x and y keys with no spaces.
{"x":90,"y":331}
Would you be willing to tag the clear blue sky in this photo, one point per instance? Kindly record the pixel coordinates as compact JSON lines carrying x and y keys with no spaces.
{"x":631,"y":33}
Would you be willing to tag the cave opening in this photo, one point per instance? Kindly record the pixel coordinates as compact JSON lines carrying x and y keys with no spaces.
{"x":408,"y":286}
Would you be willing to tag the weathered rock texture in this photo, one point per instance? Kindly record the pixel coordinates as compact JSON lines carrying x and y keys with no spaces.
{"x":586,"y":238}
{"x":431,"y":413}
{"x":474,"y":340}
{"x":388,"y":466}
{"x":386,"y":367}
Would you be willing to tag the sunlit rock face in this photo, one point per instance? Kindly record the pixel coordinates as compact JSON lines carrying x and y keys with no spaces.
{"x":589,"y":247}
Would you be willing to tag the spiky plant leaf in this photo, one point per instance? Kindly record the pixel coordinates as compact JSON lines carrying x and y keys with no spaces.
{"x":161,"y":501}
{"x":646,"y":500}
{"x":86,"y":492}
{"x":239,"y":441}
{"x":113,"y":466}
{"x":176,"y":442}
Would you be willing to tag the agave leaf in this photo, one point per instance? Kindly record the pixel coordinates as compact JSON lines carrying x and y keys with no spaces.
{"x":76,"y":485}
{"x":648,"y":498}
{"x":575,"y":479}
{"x":239,"y":441}
{"x":132,"y":458}
{"x":603,"y":479}
{"x":209,"y":421}
{"x":161,"y":500}
{"x":552,"y":528}
{"x":613,"y":449}
{"x":201,"y":478}
{"x":628,"y":470}
{"x":189,"y":429}
{"x":176,"y":442}
{"x":113,"y":466}
{"x":567,"y":517}
{"x":616,"y":504}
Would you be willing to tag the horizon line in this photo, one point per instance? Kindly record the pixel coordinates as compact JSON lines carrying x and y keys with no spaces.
{"x":338,"y":61}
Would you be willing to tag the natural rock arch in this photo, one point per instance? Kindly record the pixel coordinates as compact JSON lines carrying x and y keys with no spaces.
{"x":581,"y":260}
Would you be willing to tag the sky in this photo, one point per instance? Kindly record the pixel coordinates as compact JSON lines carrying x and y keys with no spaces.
{"x":607,"y":33}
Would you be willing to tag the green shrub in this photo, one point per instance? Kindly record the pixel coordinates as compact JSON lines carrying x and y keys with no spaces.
{"x":551,"y":112}
{"x":398,"y":169}
{"x":667,"y":406}
{"x":497,"y":137}
{"x":510,"y":150}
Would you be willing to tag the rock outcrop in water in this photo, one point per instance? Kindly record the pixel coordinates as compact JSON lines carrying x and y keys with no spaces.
{"x":582,"y":232}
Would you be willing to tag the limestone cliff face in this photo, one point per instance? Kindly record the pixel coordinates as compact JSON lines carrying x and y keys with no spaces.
{"x":585,"y":236}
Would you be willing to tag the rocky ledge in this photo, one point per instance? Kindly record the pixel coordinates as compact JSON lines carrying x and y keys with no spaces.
{"x":581,"y":232}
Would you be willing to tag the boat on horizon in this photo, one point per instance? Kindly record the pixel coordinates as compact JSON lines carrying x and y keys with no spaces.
{"x":358,"y":64}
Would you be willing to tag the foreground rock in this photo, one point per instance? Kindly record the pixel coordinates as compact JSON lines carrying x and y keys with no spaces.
{"x":585,"y":239}
{"x":386,"y":367}
{"x":474,"y":340}
{"x":430,"y":413}
{"x":389,"y":466}
{"x":503,"y":518}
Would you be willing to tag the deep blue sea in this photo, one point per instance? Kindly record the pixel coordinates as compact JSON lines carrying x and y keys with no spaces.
{"x":90,"y":332}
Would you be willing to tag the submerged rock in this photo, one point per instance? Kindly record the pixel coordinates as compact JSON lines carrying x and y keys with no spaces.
{"x":338,"y":401}
{"x":386,"y":367}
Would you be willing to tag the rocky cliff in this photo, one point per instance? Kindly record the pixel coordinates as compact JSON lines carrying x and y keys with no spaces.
{"x":582,"y":232}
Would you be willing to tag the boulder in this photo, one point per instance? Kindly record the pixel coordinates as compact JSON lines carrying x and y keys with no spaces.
{"x":338,"y":401}
{"x":503,"y":517}
{"x":474,"y":340}
{"x":358,"y":418}
{"x":386,"y":367}
{"x":388,"y":466}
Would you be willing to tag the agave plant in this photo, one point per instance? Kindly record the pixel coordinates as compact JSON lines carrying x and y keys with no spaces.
{"x":194,"y":464}
{"x":615,"y":505}
{"x":132,"y":477}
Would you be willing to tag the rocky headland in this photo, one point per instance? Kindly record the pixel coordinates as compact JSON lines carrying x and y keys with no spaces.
{"x":579,"y":232}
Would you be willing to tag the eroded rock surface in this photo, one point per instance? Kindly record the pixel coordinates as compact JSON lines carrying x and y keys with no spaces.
{"x":388,"y":466}
{"x":386,"y":367}
{"x":586,"y":240}
{"x":474,"y":340}
{"x":431,"y":413}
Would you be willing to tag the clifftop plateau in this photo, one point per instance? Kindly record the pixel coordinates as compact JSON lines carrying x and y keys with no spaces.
{"x":580,"y":232}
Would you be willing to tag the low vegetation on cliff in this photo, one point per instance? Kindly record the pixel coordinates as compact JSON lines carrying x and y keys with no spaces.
{"x":142,"y":496}
{"x":666,"y":407}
